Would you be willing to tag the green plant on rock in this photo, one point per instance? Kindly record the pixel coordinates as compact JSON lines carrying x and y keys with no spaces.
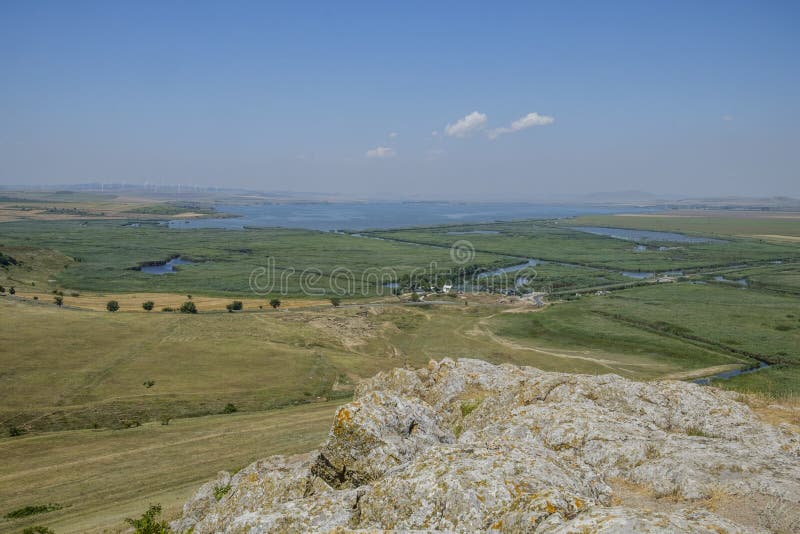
{"x":221,"y":491}
{"x":468,"y":406}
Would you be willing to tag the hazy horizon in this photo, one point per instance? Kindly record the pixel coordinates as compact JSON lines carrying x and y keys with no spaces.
{"x":426,"y":101}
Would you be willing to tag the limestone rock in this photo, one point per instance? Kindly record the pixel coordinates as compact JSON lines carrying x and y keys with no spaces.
{"x":467,"y":446}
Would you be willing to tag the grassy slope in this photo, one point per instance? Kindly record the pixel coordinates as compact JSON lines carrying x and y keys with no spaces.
{"x":103,"y":476}
{"x":662,"y":321}
{"x":75,"y":369}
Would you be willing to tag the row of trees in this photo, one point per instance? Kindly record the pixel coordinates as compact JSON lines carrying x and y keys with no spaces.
{"x":186,"y":307}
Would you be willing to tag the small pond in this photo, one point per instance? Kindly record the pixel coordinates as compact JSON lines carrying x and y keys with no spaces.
{"x":644,"y":235}
{"x":164,"y":268}
{"x":511,"y":269}
{"x":638,"y":275}
{"x":730,"y":374}
{"x":474,"y":232}
{"x":741,"y":281}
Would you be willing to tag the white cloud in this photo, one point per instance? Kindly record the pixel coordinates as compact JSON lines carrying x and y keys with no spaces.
{"x":380,"y":152}
{"x":434,"y":133}
{"x":392,"y":135}
{"x":434,"y":153}
{"x":528,"y":121}
{"x":469,"y":124}
{"x":727,"y":118}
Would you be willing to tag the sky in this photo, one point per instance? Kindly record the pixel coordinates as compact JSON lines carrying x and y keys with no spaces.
{"x":460,"y":100}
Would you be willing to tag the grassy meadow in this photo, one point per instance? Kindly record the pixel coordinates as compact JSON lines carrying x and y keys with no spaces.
{"x":103,"y":255}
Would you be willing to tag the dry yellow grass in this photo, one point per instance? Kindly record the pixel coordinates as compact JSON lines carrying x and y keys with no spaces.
{"x":102,"y":476}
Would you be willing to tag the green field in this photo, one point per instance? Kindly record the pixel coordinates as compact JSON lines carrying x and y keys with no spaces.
{"x":106,"y":254}
{"x":555,"y":241}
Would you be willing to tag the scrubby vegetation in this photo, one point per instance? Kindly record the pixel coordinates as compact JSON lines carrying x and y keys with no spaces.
{"x":29,"y":510}
{"x":149,"y":522}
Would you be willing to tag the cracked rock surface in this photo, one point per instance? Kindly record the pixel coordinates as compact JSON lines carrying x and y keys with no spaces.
{"x":467,"y":446}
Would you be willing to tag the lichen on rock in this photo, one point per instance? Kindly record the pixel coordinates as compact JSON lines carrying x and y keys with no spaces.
{"x":533,"y":452}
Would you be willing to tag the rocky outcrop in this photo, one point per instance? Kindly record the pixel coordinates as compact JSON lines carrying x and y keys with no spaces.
{"x":466,"y":446}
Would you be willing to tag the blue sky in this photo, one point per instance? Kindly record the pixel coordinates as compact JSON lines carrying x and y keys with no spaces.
{"x":689,"y":98}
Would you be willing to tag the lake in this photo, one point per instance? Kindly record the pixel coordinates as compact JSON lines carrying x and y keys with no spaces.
{"x":374,"y":215}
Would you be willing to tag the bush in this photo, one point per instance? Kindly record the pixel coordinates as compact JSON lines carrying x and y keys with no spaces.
{"x":149,"y":522}
{"x":188,"y":307}
{"x":165,"y":419}
{"x":148,"y":305}
{"x":275,"y":303}
{"x":336,"y":301}
{"x":11,"y":290}
{"x":415,"y":297}
{"x":58,"y":300}
{"x":38,"y":530}
{"x":74,"y":294}
{"x":149,"y":383}
{"x":229,"y":408}
{"x":236,"y":305}
{"x":29,"y":510}
{"x":15,"y":431}
{"x":2,"y":289}
{"x":167,"y":309}
{"x":112,"y":305}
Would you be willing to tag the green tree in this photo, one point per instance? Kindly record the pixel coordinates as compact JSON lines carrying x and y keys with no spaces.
{"x":59,"y":300}
{"x":148,"y":305}
{"x":236,"y":305}
{"x":415,"y":297}
{"x":149,"y":522}
{"x":188,"y":307}
{"x":336,"y":301}
{"x":275,"y":303}
{"x":112,"y":305}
